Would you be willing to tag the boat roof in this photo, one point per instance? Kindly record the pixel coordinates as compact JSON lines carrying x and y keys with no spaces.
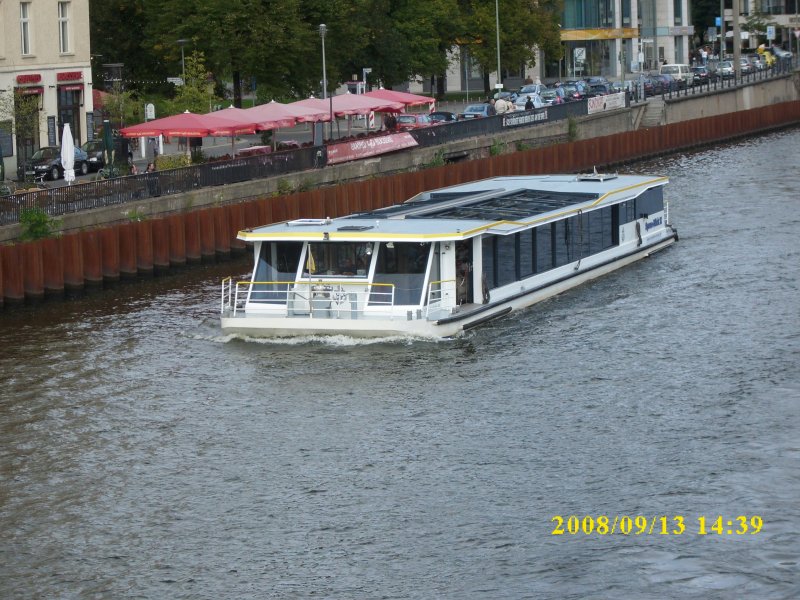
{"x":499,"y":205}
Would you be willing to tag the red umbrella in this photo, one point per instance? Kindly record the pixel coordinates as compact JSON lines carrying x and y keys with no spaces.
{"x":274,"y":114}
{"x":404,"y":97}
{"x":191,"y":125}
{"x":351,"y":104}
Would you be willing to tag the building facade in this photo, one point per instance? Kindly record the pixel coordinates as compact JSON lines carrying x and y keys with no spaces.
{"x":44,"y":53}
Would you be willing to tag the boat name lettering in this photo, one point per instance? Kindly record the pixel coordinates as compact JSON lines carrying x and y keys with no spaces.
{"x":654,"y":223}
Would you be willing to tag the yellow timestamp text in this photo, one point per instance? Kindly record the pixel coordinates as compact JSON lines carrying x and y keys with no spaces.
{"x":656,"y":525}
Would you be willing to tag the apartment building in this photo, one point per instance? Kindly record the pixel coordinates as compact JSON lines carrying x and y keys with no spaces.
{"x":44,"y":53}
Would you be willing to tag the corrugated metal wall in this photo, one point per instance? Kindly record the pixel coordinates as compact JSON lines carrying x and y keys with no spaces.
{"x":80,"y":260}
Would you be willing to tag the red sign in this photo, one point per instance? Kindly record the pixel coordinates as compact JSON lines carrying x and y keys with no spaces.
{"x":28,"y":91}
{"x":361,"y":148}
{"x":72,"y":87}
{"x":29,"y":78}
{"x":69,"y":76}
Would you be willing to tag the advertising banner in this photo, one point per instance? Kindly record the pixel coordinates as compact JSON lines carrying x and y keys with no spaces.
{"x":371,"y":146}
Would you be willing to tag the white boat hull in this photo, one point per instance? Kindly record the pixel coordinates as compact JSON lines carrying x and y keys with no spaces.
{"x":265,"y":326}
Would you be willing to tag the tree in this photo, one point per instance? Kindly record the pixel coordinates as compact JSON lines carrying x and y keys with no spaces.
{"x":22,"y":114}
{"x":526,"y":27}
{"x":197,"y":92}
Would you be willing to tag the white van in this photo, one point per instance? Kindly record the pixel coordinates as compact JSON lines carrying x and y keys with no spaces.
{"x":680,"y":73}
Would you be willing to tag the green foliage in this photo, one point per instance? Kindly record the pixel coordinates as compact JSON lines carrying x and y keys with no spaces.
{"x":522,"y":146}
{"x":20,"y":114}
{"x":572,"y":129}
{"x":197,"y":92}
{"x":197,"y":156}
{"x":172,"y":161}
{"x":123,"y":107}
{"x":284,"y":188}
{"x":37,"y":224}
{"x":497,"y":148}
{"x":278,"y":44}
{"x":437,"y":160}
{"x":135,"y":215}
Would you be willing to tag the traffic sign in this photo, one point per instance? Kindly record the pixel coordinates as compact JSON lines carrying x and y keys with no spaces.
{"x":770,"y":32}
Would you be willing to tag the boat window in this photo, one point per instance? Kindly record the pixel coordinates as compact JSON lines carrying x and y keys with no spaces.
{"x":600,"y":230}
{"x":544,"y":248}
{"x":489,"y":258}
{"x":527,"y":266}
{"x":339,"y":259}
{"x":277,"y":261}
{"x":506,"y":259}
{"x":561,"y":242}
{"x":402,"y":265}
{"x":650,"y":202}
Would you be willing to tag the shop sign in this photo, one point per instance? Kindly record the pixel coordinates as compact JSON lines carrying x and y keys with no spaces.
{"x":69,"y":76}
{"x":29,"y":78}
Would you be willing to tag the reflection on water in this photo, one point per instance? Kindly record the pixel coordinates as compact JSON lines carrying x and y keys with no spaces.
{"x":145,"y":455}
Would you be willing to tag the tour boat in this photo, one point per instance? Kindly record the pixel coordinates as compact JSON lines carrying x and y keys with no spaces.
{"x":446,"y":260}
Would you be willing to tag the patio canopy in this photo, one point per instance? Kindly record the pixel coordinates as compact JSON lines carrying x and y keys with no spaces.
{"x":191,"y":125}
{"x":284,"y":115}
{"x":404,"y":97}
{"x":351,"y":104}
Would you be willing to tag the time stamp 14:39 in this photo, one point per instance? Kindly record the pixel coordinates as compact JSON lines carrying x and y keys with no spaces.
{"x":656,"y":525}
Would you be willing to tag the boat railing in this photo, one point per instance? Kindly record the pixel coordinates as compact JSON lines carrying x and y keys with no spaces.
{"x":313,"y":299}
{"x":441,"y":297}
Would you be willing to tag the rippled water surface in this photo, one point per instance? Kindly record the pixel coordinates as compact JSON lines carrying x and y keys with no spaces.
{"x":144,"y":455}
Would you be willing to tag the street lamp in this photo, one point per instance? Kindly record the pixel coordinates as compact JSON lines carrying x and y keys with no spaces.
{"x":183,"y":63}
{"x":323,"y":29}
{"x":497,"y":27}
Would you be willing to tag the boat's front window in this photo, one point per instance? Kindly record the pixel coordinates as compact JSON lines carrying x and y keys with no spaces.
{"x":403,"y":265}
{"x":340,"y":259}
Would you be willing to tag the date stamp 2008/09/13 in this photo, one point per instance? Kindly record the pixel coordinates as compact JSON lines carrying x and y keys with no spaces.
{"x":656,"y":525}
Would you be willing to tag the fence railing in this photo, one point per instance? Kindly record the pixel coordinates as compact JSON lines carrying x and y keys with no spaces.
{"x":58,"y":201}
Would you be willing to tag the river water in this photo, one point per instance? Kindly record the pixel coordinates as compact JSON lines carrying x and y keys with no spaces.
{"x":144,"y":455}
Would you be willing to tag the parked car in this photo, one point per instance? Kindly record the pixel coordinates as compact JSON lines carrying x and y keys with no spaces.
{"x":681,"y":73}
{"x":95,"y":151}
{"x":412,"y":121}
{"x":600,"y":89}
{"x":442,"y":116}
{"x":477,"y":111}
{"x":745,"y":66}
{"x":549,"y":97}
{"x":46,"y":162}
{"x":651,"y":86}
{"x":703,"y":75}
{"x":725,"y":69}
{"x":574,"y":90}
{"x":506,"y":95}
{"x":536,"y":98}
{"x":530,"y":88}
{"x":595,"y":80}
{"x":668,"y":83}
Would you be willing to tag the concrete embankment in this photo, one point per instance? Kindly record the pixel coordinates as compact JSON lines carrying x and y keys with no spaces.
{"x":97,"y":247}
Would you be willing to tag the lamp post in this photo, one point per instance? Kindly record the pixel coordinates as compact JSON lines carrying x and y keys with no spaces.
{"x":182,"y":42}
{"x":323,"y":29}
{"x":499,"y":85}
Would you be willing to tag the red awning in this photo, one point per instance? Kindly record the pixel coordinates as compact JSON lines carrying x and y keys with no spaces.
{"x":351,"y":104}
{"x":191,"y":125}
{"x":404,"y":97}
{"x":28,"y":91}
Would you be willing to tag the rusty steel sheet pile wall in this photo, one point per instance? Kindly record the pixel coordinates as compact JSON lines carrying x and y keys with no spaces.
{"x":33,"y":270}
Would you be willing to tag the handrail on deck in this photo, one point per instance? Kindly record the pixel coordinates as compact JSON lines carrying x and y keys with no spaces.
{"x":308,"y":297}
